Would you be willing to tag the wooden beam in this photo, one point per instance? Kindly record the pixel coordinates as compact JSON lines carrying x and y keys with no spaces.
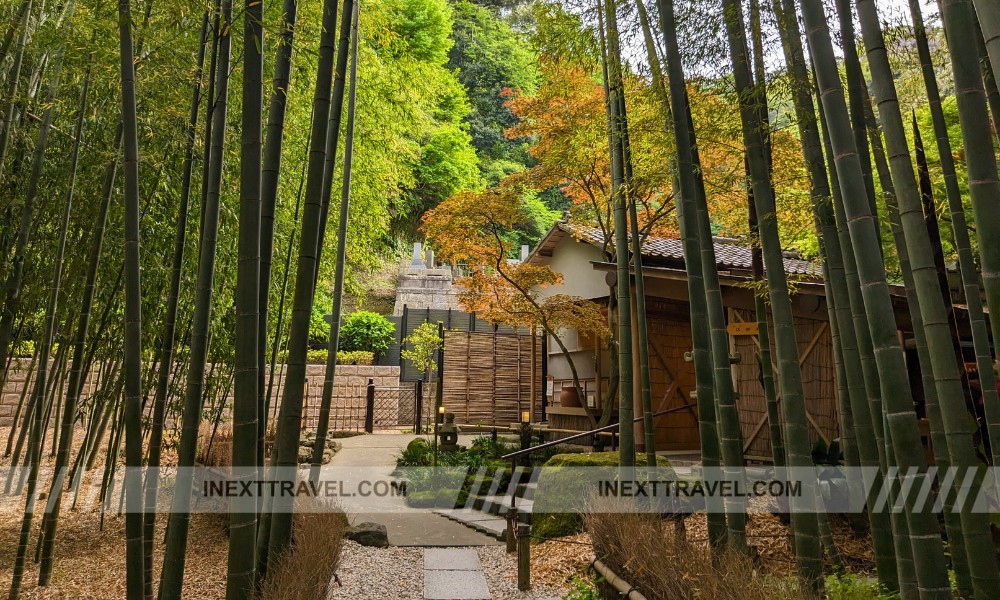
{"x":812,"y":343}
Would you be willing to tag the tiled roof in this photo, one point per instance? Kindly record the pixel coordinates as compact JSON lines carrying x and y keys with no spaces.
{"x":729,"y":253}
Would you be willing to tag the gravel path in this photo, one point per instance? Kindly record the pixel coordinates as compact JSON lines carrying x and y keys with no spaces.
{"x":380,"y":573}
{"x":396,"y":572}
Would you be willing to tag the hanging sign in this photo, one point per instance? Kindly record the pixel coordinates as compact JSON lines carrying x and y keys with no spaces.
{"x":744,"y":328}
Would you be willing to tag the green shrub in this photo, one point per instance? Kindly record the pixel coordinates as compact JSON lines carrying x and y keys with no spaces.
{"x":318,"y":357}
{"x":850,"y":586}
{"x":418,"y":453}
{"x":597,"y":459}
{"x":554,"y":525}
{"x":355,"y":357}
{"x":582,"y":589}
{"x":368,"y":331}
{"x":319,"y":327}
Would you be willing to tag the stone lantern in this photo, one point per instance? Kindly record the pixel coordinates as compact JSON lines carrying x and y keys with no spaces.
{"x":448,"y":433}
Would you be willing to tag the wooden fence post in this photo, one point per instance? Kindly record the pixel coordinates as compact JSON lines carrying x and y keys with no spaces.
{"x":511,"y":537}
{"x":370,"y":407}
{"x":402,"y":336}
{"x":523,"y":557}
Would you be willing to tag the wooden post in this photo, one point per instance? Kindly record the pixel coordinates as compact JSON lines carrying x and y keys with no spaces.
{"x":531,"y":394}
{"x":402,"y":336}
{"x":511,"y":536}
{"x":370,"y":407}
{"x":523,"y":557}
{"x":545,"y":376}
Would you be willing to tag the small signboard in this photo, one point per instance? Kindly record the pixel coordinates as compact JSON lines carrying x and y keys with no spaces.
{"x":743,"y":328}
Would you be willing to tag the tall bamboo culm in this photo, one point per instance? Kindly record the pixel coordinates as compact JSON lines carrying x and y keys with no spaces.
{"x":808,"y":551}
{"x":821,"y":197}
{"x":285,"y":453}
{"x":931,"y":571}
{"x":243,"y":511}
{"x":133,"y":313}
{"x":687,"y":217}
{"x":172,"y":572}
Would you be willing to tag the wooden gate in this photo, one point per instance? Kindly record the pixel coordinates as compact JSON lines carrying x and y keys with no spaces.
{"x":490,"y":378}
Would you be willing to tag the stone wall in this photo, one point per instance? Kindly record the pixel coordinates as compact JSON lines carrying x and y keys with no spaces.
{"x":350,"y":387}
{"x":422,"y":287}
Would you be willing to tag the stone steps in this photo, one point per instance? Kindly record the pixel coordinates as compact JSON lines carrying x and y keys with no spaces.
{"x":487,"y":512}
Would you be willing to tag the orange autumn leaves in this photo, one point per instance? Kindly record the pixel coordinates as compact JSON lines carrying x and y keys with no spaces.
{"x":567,"y":125}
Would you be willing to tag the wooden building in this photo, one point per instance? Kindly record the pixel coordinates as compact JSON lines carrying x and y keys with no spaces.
{"x":577,"y":253}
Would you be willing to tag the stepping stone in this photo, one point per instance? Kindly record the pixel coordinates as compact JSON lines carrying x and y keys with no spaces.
{"x":466,"y":515}
{"x":455,"y":585}
{"x":451,"y":559}
{"x":454,"y":574}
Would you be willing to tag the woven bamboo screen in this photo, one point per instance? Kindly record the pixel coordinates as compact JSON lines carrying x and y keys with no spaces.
{"x":488,"y":376}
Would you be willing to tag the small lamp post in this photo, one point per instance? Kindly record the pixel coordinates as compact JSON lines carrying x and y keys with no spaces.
{"x":525,"y":436}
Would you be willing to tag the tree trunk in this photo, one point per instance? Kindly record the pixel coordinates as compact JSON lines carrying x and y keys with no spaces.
{"x":836,"y":276}
{"x":616,"y":122}
{"x":243,"y":511}
{"x":940,"y":342}
{"x":13,"y":77}
{"x":133,"y":309}
{"x":70,"y":411}
{"x":988,"y":13}
{"x":12,"y":287}
{"x":270,"y":175}
{"x":170,"y":320}
{"x":984,"y":187}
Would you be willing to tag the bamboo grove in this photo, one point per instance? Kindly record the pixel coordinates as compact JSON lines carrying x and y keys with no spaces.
{"x":147,"y":322}
{"x":864,"y":159}
{"x":201,"y":219}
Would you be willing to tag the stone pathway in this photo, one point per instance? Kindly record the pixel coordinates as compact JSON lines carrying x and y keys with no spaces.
{"x":374,"y":456}
{"x":431,"y":556}
{"x":454,"y":574}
